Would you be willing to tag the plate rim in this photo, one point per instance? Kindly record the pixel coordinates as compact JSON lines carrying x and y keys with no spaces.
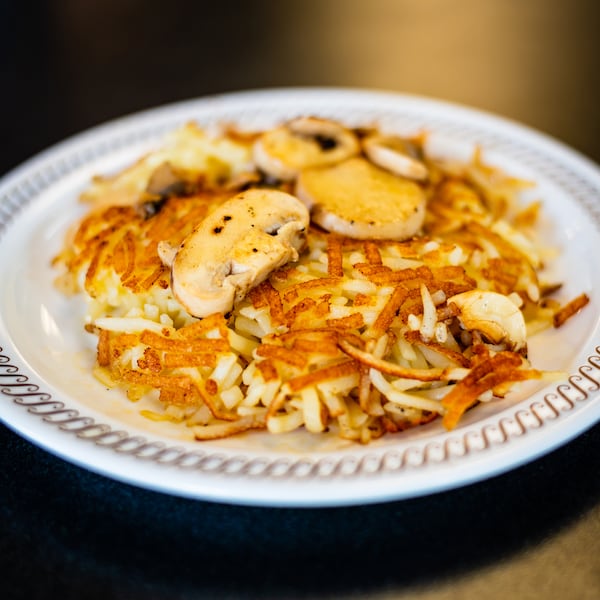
{"x":559,"y":400}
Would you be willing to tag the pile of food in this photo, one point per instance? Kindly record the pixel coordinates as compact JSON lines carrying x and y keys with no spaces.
{"x":311,"y":275}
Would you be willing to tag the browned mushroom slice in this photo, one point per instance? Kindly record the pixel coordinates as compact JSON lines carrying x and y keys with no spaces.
{"x":234,"y":249}
{"x":396,"y":154}
{"x":359,"y":200}
{"x":305,"y":142}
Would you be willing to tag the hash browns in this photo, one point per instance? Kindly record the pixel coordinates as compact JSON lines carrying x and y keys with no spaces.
{"x":358,"y":337}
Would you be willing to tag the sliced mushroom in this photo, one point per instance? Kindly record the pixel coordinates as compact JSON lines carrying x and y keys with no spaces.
{"x":494,"y":315}
{"x":305,"y":142}
{"x":234,"y":249}
{"x":398,"y":155}
{"x":359,"y":200}
{"x":165,"y":182}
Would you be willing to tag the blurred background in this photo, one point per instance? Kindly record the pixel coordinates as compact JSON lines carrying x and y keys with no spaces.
{"x":71,"y":64}
{"x":67,"y":65}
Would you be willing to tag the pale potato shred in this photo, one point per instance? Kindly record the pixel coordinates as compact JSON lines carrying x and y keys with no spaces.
{"x":360,"y":336}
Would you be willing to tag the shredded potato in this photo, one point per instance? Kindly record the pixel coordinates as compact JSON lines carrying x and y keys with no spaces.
{"x":357,"y":337}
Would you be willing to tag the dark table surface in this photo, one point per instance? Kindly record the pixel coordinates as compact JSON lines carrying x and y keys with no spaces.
{"x":67,"y":533}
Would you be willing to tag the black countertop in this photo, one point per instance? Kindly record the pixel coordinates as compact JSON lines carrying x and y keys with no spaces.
{"x":67,"y":533}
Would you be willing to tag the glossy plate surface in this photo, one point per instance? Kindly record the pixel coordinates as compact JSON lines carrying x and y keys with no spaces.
{"x":48,"y":395}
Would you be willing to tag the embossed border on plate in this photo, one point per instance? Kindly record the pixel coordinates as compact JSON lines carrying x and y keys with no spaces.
{"x":529,"y":416}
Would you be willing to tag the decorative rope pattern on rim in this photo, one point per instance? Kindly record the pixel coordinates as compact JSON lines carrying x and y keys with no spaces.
{"x":17,"y":387}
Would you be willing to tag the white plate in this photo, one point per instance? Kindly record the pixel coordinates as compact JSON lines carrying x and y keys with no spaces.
{"x":48,"y":395}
